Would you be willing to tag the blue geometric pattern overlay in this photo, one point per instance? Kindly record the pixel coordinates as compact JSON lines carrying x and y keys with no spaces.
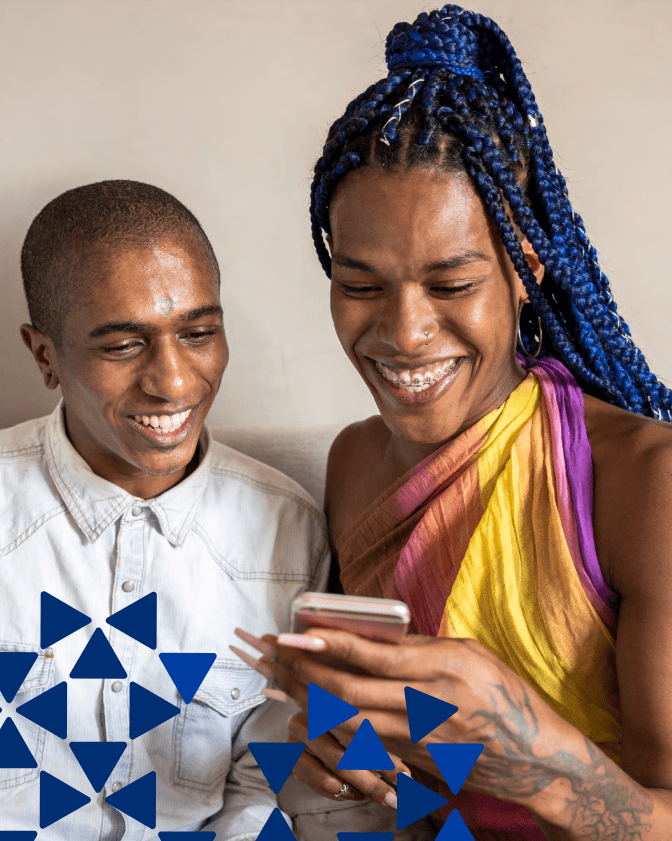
{"x":276,"y":760}
{"x":49,"y":710}
{"x":366,"y":752}
{"x":187,"y":671}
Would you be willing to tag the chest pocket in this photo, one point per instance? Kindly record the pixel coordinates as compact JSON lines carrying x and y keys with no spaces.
{"x":36,"y":682}
{"x":205,"y":728}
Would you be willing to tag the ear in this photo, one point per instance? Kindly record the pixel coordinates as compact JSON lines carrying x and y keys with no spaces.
{"x":534,"y":263}
{"x":44,"y":353}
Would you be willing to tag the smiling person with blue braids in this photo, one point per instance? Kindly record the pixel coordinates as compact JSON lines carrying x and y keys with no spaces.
{"x":516,"y":488}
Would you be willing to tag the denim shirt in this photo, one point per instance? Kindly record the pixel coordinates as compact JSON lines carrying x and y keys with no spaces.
{"x":231,"y":544}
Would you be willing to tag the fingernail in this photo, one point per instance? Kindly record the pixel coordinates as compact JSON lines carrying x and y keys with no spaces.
{"x":277,"y":695}
{"x":261,"y":645}
{"x":303,"y":641}
{"x":407,"y":774}
{"x":257,"y":665}
{"x":390,"y":800}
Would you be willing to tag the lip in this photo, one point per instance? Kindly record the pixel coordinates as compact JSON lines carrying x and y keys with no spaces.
{"x":169,"y":439}
{"x":410,"y":397}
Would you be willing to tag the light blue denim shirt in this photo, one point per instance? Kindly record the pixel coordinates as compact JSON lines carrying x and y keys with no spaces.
{"x":230,"y":545}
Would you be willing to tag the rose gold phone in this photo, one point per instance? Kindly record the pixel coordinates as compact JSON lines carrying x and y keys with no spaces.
{"x":384,"y":620}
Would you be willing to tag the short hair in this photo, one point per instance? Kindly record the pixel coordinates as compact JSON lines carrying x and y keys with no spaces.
{"x":73,"y":238}
{"x":456,"y":98}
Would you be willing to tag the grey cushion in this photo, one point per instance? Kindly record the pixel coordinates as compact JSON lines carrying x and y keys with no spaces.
{"x":300,"y":453}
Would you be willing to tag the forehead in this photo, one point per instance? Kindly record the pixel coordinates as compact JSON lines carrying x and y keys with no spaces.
{"x":420,"y":210}
{"x":144,"y":284}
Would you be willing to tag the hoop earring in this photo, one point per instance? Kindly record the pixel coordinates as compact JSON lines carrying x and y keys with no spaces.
{"x":524,"y":351}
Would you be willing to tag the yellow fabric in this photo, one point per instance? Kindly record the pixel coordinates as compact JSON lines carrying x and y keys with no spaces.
{"x":517,"y":590}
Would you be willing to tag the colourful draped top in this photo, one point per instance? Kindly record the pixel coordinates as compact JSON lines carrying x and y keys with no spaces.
{"x":491,"y":538}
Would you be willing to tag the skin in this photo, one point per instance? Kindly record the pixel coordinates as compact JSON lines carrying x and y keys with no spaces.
{"x":148,"y":339}
{"x":397,"y":223}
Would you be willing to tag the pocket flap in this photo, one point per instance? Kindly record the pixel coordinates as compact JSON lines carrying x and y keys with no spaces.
{"x":231,"y":687}
{"x":40,"y":672}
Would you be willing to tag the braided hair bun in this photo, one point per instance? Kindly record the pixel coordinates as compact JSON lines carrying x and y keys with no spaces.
{"x":456,"y":98}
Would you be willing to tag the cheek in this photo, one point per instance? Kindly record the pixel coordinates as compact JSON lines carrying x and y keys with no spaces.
{"x":345,"y":318}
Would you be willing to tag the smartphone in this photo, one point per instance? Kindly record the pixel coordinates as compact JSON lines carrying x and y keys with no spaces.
{"x":383,"y":620}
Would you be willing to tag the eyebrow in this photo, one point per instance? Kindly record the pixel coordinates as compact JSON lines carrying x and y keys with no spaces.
{"x":449,"y":263}
{"x":144,"y":327}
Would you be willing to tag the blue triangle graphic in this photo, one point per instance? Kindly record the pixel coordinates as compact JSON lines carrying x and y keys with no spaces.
{"x":14,"y":668}
{"x":147,"y":710}
{"x":326,"y":711}
{"x":98,"y":660}
{"x":364,"y":836}
{"x":425,"y":712}
{"x":365,"y":752}
{"x":137,"y":800}
{"x":17,"y":835}
{"x":98,"y":760}
{"x":187,"y":671}
{"x":276,"y":760}
{"x":49,"y":710}
{"x":414,"y":801}
{"x":455,"y":762}
{"x":138,"y":620}
{"x":58,"y":620}
{"x":454,"y":829}
{"x":185,"y":836}
{"x":276,"y":829}
{"x":14,"y":751}
{"x":58,"y":799}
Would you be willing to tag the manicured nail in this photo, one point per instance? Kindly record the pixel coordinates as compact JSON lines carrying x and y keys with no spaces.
{"x":277,"y":695}
{"x":261,"y":645}
{"x":390,"y":800}
{"x":262,"y":668}
{"x":303,"y":641}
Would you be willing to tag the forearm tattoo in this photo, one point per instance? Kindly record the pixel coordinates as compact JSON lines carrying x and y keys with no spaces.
{"x":602,"y":803}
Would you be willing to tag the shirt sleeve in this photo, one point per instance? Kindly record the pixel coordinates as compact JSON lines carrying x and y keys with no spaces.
{"x":248,"y":798}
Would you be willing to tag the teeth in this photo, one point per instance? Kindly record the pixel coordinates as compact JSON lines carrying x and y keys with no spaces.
{"x":418,"y":380}
{"x":164,"y":423}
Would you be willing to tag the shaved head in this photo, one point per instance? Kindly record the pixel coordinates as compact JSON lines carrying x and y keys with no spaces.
{"x":77,"y":236}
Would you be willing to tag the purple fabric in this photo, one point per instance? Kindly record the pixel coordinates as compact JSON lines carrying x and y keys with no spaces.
{"x":579,"y":463}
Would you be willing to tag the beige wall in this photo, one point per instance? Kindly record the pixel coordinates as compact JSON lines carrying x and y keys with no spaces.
{"x":225,"y":103}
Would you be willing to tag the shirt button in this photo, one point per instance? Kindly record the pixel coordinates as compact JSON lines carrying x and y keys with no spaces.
{"x":127,"y":586}
{"x":117,"y":686}
{"x":235,"y":694}
{"x":136,"y":511}
{"x":116,"y":787}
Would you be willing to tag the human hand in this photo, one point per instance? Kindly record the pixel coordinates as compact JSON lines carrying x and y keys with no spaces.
{"x":521,"y":733}
{"x":317,"y":765}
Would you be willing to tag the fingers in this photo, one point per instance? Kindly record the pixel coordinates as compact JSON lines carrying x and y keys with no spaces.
{"x":311,"y":772}
{"x":327,"y":752}
{"x":412,"y":661}
{"x":390,"y":776}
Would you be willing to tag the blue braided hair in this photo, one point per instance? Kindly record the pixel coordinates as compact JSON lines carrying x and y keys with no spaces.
{"x":456,"y":98}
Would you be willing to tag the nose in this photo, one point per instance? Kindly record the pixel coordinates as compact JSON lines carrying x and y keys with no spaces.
{"x":167,"y":374}
{"x":407,"y":321}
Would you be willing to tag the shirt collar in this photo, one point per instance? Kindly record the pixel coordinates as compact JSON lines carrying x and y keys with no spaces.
{"x":95,"y":503}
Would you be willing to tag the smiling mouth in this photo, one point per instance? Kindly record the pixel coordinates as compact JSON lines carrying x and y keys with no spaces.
{"x":164,"y":424}
{"x":416,"y":380}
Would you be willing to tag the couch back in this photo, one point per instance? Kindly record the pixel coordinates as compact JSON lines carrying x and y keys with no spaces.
{"x":300,"y":453}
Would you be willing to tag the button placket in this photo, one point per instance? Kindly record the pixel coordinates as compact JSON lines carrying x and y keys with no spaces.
{"x":130,"y":567}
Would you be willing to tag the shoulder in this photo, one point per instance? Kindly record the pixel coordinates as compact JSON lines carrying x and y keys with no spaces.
{"x":29,"y":496}
{"x":357,"y":439}
{"x":356,"y":471}
{"x":632,"y":462}
{"x":264,"y":520}
{"x":24,"y":441}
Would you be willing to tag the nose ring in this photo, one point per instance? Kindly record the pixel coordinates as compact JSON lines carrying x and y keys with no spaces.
{"x":426,"y":334}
